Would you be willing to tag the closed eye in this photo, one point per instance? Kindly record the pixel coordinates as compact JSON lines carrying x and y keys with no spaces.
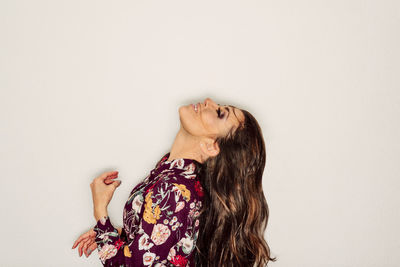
{"x":219,"y":113}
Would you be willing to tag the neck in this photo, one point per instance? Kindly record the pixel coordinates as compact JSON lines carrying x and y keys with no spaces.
{"x":185,"y":146}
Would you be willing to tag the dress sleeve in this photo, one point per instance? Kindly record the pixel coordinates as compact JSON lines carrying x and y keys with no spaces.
{"x":166,"y":235}
{"x":107,"y":238}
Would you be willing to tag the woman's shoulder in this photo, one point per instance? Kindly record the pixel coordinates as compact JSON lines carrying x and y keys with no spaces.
{"x":163,"y":159}
{"x":177,"y":181}
{"x":177,"y":173}
{"x":172,"y":177}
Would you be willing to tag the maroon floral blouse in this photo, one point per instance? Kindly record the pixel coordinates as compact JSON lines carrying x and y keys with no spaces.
{"x":160,"y":220}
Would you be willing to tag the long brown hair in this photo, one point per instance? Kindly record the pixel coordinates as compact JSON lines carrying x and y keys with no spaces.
{"x":235,"y":213}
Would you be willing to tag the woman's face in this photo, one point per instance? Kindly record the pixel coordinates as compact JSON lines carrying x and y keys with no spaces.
{"x":211,"y":120}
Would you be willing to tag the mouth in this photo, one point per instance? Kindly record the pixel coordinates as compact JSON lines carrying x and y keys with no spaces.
{"x":195,"y":107}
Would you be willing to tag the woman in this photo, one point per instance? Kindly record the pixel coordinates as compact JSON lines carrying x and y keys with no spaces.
{"x":202,"y":204}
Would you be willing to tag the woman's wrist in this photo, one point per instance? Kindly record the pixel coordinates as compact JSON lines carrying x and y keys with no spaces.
{"x":100,"y":212}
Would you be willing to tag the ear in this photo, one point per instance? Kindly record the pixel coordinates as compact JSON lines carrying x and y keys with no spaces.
{"x":209,"y":148}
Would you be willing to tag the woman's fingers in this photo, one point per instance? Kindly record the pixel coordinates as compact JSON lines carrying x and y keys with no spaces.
{"x":108,"y":175}
{"x":92,"y":245}
{"x":109,"y":178}
{"x":82,"y":237}
{"x":85,"y":241}
{"x":86,"y":247}
{"x":80,"y":248}
{"x":76,"y":243}
{"x":108,"y":181}
{"x":81,"y":245}
{"x":91,"y":248}
{"x":91,"y":234}
{"x":86,"y":244}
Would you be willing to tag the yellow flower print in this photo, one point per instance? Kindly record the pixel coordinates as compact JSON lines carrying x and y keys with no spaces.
{"x":127,"y":252}
{"x":149,"y":215}
{"x":185,"y":192}
{"x":157,"y":212}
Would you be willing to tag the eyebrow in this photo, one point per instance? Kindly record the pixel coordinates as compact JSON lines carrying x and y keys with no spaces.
{"x":228,"y":113}
{"x":233,"y":110}
{"x":227,"y":108}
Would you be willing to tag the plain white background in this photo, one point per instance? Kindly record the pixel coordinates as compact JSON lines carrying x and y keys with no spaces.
{"x":93,"y":86}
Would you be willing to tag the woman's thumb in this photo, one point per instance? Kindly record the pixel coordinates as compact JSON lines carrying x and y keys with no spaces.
{"x":117,"y":183}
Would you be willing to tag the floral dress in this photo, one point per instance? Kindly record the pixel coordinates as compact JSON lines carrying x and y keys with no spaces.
{"x":160,"y":220}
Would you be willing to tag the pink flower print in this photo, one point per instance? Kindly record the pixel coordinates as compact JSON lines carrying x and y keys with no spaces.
{"x":199,"y":188}
{"x":160,"y":233}
{"x":179,"y":260}
{"x":137,"y":203}
{"x":131,"y":235}
{"x":118,"y":243}
{"x":179,"y":206}
{"x":191,"y":213}
{"x":171,"y":254}
{"x":148,"y":258}
{"x":174,"y":219}
{"x":176,"y":225}
{"x":144,"y":242}
{"x":191,"y":167}
{"x":178,"y":162}
{"x":188,"y":173}
{"x":187,"y":244}
{"x":177,"y":192}
{"x":196,"y":223}
{"x":106,"y":252}
{"x":103,"y":220}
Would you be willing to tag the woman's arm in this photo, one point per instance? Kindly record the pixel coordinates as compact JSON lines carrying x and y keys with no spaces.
{"x":166,"y":234}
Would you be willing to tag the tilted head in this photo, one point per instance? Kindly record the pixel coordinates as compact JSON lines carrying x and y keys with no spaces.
{"x":207,"y":121}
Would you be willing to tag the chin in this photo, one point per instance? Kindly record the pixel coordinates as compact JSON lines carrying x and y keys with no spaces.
{"x":184,"y":110}
{"x":182,"y":113}
{"x":181,"y":110}
{"x":185,"y":117}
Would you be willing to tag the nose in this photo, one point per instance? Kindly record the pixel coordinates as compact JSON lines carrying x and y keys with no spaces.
{"x":208,"y":102}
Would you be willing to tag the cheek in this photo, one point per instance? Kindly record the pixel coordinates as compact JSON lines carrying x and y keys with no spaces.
{"x":212,"y":123}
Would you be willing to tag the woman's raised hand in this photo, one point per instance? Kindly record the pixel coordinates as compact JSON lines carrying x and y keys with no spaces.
{"x":86,"y":243}
{"x":103,"y":188}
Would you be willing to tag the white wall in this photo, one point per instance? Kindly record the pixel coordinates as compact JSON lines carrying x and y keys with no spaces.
{"x":91,"y":86}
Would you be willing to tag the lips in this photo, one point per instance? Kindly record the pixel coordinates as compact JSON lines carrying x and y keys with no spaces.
{"x":194,"y":105}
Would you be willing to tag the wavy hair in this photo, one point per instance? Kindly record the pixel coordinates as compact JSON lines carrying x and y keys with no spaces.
{"x":235,"y":212}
